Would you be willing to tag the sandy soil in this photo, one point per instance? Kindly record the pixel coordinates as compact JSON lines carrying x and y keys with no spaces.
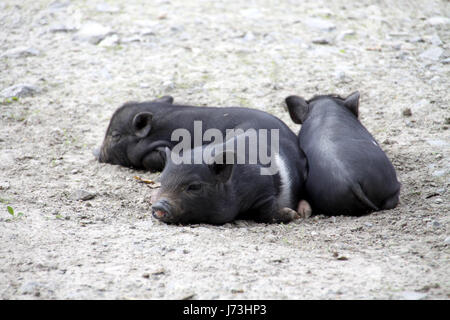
{"x":80,"y":60}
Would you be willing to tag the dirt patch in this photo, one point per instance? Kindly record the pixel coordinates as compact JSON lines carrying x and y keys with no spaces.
{"x":86,"y":229}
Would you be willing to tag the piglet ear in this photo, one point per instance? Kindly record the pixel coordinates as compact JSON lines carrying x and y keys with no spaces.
{"x":165,"y":99}
{"x":222,"y":166}
{"x":168,"y":152}
{"x":352,"y":103}
{"x":298,"y":108}
{"x":142,"y":124}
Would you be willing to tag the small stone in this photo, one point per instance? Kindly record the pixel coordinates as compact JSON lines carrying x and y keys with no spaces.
{"x":447,"y":240}
{"x":344,"y":34}
{"x":21,"y":52}
{"x":435,"y":40}
{"x":93,"y":32}
{"x":407,"y":112}
{"x":60,"y":27}
{"x":168,"y":85}
{"x":249,"y":36}
{"x":432,"y":54}
{"x":368,"y":224}
{"x":105,"y":74}
{"x":188,"y":296}
{"x":446,"y":61}
{"x":319,"y":24}
{"x":159,"y":272}
{"x":321,"y":41}
{"x":438,"y":200}
{"x":437,"y":142}
{"x":412,"y":295}
{"x":147,"y":32}
{"x":416,"y":39}
{"x":438,"y":20}
{"x":31,"y":287}
{"x":19,"y":90}
{"x":342,"y":76}
{"x":4,"y":185}
{"x":58,"y":4}
{"x":131,"y":39}
{"x":83,"y":195}
{"x":439,"y":173}
{"x":110,"y":41}
{"x":105,"y":7}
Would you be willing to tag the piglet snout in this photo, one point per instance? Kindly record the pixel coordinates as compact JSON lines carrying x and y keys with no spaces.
{"x":161,"y":209}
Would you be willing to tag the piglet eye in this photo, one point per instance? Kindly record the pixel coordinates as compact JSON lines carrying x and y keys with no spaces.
{"x":194,"y":187}
{"x":115,"y":135}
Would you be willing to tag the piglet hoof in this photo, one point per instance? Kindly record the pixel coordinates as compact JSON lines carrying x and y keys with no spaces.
{"x":304,"y":209}
{"x":287,"y":215}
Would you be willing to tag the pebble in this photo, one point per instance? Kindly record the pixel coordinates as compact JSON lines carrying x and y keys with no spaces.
{"x":345,"y":34}
{"x":447,"y":240}
{"x":31,"y":287}
{"x":437,"y":142}
{"x":407,"y":112}
{"x":105,"y":7}
{"x":248,"y":36}
{"x":319,"y":24}
{"x":58,"y":4}
{"x":60,"y":27}
{"x":437,"y":20}
{"x":20,"y":90}
{"x":110,"y":41}
{"x":412,"y":295}
{"x":21,"y":52}
{"x":435,"y":40}
{"x":439,"y":173}
{"x":321,"y":41}
{"x":131,"y":39}
{"x":93,"y":32}
{"x":342,"y":77}
{"x":147,"y":32}
{"x":105,"y":74}
{"x":4,"y":185}
{"x":433,"y":54}
{"x":82,"y":195}
{"x":438,"y":200}
{"x":416,"y":39}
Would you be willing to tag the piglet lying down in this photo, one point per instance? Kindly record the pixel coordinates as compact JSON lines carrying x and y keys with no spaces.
{"x":222,"y":188}
{"x":348,"y":172}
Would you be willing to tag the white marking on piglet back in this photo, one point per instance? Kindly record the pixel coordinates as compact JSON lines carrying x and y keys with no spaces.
{"x":284,"y":198}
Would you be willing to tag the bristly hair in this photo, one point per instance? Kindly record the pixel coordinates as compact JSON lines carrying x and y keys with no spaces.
{"x":331,"y":95}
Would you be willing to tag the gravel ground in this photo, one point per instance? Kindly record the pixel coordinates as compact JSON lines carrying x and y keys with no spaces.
{"x":86,"y":231}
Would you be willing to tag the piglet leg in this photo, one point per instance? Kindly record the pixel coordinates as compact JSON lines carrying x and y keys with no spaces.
{"x":304,"y":209}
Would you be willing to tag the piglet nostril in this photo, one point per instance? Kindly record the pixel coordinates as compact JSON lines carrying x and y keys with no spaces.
{"x":161,"y":209}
